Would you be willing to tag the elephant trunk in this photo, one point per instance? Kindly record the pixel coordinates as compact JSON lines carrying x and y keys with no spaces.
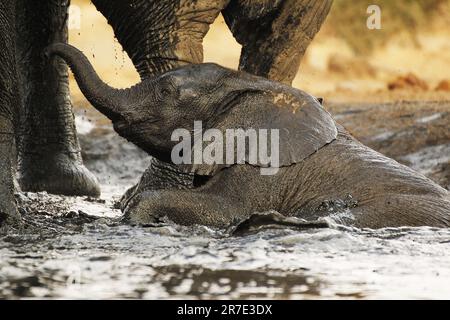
{"x":110,"y":101}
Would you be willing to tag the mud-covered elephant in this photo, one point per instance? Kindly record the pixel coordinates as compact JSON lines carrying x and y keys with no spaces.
{"x":321,"y":167}
{"x":158,"y":35}
{"x":8,"y":113}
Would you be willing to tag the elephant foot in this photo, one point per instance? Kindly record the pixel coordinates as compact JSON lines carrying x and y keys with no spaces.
{"x":58,"y":174}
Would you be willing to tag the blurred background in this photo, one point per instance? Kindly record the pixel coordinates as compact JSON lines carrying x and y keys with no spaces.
{"x":408,"y":59}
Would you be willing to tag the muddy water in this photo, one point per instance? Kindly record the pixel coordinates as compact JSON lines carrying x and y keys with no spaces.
{"x":75,"y":248}
{"x":112,"y":261}
{"x":102,"y":259}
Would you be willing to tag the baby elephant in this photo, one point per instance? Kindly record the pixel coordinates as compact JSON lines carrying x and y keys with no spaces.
{"x":315,"y":166}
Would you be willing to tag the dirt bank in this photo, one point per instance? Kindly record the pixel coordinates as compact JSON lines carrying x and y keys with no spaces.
{"x":415,"y":133}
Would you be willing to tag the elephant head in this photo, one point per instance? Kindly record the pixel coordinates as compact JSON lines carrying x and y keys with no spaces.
{"x":148,"y":113}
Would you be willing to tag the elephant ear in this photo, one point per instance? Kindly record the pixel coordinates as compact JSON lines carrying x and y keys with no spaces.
{"x":303,"y":127}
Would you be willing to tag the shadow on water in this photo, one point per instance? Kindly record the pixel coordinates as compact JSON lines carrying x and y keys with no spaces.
{"x":194,"y":281}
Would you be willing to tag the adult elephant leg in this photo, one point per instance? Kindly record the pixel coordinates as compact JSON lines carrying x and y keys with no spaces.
{"x":49,"y":152}
{"x":8,"y":111}
{"x":8,"y":210}
{"x":275,"y":34}
{"x":160,"y":35}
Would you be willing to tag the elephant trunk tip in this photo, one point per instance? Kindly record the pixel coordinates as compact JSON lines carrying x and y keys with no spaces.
{"x":55,"y":49}
{"x":107,"y":100}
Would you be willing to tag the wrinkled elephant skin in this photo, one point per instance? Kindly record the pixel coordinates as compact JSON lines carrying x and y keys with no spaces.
{"x":321,"y":163}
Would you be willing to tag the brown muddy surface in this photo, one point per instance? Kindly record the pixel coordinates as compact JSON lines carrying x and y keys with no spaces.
{"x":74,"y":247}
{"x":415,"y":133}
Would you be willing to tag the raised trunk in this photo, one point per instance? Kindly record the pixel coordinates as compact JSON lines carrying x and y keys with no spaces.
{"x":50,"y":157}
{"x":109,"y":101}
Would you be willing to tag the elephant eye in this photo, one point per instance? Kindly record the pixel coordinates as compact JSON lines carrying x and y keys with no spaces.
{"x":166,"y":90}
